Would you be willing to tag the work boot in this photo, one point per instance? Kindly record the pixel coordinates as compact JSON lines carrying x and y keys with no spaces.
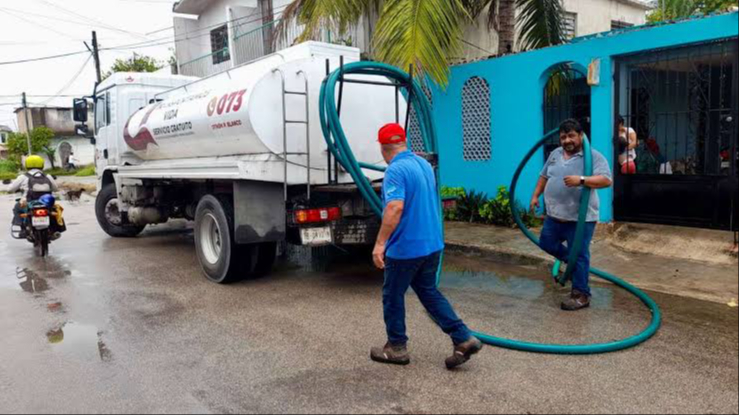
{"x":391,"y":354}
{"x":463,"y":352}
{"x":577,"y":301}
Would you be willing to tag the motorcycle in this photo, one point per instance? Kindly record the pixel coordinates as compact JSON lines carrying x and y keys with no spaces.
{"x":37,"y":219}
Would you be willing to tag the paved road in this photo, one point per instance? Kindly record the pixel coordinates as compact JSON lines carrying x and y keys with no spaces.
{"x":112,"y":325}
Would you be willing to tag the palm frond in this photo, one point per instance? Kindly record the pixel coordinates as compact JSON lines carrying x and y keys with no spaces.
{"x":540,"y":23}
{"x":476,"y":7}
{"x":425,"y":33}
{"x":316,"y":15}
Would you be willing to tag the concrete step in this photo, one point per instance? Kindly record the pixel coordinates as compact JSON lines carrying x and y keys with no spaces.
{"x":703,"y":245}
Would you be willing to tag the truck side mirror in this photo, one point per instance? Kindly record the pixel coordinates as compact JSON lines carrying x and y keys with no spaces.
{"x":83,"y":131}
{"x":80,"y":109}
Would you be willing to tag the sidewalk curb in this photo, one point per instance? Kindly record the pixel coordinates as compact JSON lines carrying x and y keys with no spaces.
{"x":507,"y":256}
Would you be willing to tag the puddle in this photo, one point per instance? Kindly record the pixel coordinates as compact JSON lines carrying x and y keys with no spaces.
{"x":524,"y":283}
{"x":81,"y":341}
{"x":30,"y":281}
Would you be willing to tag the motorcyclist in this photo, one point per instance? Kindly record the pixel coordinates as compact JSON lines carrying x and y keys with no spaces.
{"x":33,"y":184}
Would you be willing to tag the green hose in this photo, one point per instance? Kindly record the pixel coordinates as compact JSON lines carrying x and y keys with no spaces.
{"x":339,"y":146}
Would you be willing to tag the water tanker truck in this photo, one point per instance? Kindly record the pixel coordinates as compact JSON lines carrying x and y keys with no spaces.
{"x":241,"y":153}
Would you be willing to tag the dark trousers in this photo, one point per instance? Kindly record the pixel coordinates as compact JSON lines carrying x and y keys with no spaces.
{"x":420,"y":274}
{"x":551,"y":238}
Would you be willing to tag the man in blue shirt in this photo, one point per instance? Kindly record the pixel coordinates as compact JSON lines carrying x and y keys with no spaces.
{"x":409,"y":249}
{"x":562,"y":180}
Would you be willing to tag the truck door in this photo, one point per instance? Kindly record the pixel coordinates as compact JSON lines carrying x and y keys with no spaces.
{"x":107,"y":152}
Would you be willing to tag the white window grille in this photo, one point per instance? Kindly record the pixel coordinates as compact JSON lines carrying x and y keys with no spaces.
{"x":476,"y":139}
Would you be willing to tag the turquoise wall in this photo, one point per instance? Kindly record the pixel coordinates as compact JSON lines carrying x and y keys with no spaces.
{"x":517,"y":84}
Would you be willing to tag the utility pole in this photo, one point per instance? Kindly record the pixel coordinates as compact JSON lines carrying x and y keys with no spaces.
{"x":96,"y":55}
{"x":28,"y":126}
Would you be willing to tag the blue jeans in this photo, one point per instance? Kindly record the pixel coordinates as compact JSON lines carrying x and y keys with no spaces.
{"x":420,"y":274}
{"x":552,"y":236}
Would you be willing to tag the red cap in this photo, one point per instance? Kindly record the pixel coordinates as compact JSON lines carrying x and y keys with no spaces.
{"x":392,"y":134}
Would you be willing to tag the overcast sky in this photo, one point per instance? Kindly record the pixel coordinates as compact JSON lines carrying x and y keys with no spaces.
{"x":37,"y":28}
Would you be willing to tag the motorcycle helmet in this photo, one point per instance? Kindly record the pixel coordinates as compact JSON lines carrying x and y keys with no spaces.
{"x":48,"y":200}
{"x":34,"y":162}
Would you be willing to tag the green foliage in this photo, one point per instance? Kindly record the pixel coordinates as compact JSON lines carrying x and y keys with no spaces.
{"x":469,"y":206}
{"x":8,"y":166}
{"x":86,"y":171}
{"x":7,"y":176}
{"x":18,"y":144}
{"x":455,"y":193}
{"x":50,"y":153}
{"x":425,"y":33}
{"x":668,"y":10}
{"x":475,"y":207}
{"x":497,"y":211}
{"x":136,"y":63}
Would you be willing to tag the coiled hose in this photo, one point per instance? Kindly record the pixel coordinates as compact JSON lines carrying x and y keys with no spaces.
{"x":339,"y":147}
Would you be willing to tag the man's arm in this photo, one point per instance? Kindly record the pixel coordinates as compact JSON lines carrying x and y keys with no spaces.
{"x":540,"y":186}
{"x":54,"y":186}
{"x":17,"y":184}
{"x":390,"y":222}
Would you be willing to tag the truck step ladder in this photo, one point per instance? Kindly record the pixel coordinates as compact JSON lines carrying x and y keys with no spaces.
{"x":285,"y":122}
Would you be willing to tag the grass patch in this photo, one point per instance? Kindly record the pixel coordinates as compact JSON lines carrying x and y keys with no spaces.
{"x":7,"y":176}
{"x":86,"y":171}
{"x":81,"y":172}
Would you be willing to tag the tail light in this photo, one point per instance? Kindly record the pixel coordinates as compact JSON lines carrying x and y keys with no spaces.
{"x":40,"y":213}
{"x":306,"y":216}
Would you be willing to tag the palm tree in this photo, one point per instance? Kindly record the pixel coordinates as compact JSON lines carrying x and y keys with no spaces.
{"x":428,"y":33}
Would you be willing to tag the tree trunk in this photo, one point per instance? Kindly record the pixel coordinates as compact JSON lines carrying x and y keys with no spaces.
{"x":268,"y":32}
{"x":507,"y":32}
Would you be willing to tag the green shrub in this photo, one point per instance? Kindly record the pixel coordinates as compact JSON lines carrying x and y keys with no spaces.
{"x":497,"y":211}
{"x":86,"y":171}
{"x":469,"y":206}
{"x":454,"y":193}
{"x":8,"y":166}
{"x":8,"y":176}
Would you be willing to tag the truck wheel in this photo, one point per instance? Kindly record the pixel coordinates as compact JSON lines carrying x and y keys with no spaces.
{"x":109,"y":216}
{"x":222,"y":260}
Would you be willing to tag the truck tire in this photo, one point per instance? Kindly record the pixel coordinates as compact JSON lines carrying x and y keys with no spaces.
{"x":222,"y":260}
{"x":111,"y":220}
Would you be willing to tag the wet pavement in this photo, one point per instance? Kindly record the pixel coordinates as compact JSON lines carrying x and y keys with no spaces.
{"x":130,"y":325}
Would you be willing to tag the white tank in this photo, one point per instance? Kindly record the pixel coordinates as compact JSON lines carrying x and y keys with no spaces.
{"x":239,"y":112}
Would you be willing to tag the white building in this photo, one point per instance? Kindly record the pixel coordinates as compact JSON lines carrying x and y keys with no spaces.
{"x":4,"y":133}
{"x":65,"y":141}
{"x":225,"y":33}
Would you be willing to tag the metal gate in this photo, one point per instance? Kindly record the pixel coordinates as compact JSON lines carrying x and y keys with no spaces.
{"x":682,"y":103}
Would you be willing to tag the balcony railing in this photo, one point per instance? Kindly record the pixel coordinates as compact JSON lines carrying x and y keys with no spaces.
{"x":255,"y":43}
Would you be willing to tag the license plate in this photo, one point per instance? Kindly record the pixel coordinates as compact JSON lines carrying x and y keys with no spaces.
{"x":316,"y":236}
{"x":41,"y":222}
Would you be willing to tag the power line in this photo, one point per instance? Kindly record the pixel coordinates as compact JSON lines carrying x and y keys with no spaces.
{"x":6,"y":11}
{"x":70,"y":12}
{"x":71,"y":81}
{"x":43,"y":16}
{"x":187,"y":35}
{"x":151,"y":43}
{"x":44,"y":58}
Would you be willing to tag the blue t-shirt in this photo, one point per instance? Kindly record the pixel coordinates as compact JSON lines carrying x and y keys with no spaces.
{"x":411,"y":179}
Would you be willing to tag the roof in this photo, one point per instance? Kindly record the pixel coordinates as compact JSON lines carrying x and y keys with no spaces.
{"x":48,"y":107}
{"x":190,"y":6}
{"x":646,"y":26}
{"x":5,"y":129}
